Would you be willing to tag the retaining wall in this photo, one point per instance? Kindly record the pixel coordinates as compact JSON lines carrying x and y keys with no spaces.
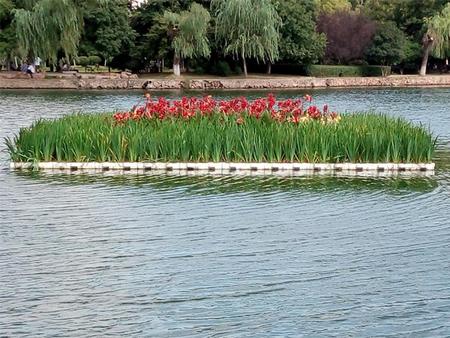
{"x":132,"y":82}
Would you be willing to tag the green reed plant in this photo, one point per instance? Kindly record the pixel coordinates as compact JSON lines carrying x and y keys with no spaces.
{"x":364,"y":137}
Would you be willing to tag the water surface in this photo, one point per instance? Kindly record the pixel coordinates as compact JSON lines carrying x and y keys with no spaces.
{"x":168,"y":256}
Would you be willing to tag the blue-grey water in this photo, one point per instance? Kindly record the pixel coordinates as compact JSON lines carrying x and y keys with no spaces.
{"x":164,"y":256}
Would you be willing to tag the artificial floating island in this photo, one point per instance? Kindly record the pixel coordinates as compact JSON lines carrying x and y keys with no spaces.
{"x":235,"y":134}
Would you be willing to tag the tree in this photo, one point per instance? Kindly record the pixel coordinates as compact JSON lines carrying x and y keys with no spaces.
{"x":48,"y":26}
{"x":107,"y":30}
{"x":331,"y":6}
{"x":248,"y":29}
{"x":388,"y":45}
{"x":348,"y":34}
{"x":188,"y":34}
{"x":437,"y":37}
{"x":410,"y":15}
{"x":440,"y":29}
{"x":8,"y":43}
{"x":299,"y":42}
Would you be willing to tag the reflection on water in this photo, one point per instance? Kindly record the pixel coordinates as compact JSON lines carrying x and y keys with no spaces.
{"x":228,"y":184}
{"x":208,"y":256}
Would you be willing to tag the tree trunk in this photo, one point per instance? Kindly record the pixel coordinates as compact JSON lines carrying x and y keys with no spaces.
{"x":427,"y":43}
{"x":244,"y":64}
{"x":269,"y":68}
{"x":176,"y":66}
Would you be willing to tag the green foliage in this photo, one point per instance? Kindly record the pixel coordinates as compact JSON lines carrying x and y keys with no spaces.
{"x":331,"y":6}
{"x":8,"y":43}
{"x":189,"y":30}
{"x":222,"y":68}
{"x":299,"y":40}
{"x":94,"y":60}
{"x":47,"y":27}
{"x":410,"y":15}
{"x":343,"y":71}
{"x":6,"y":6}
{"x":439,"y":29}
{"x":107,"y":29}
{"x":356,"y":138}
{"x":376,"y":70}
{"x":83,"y":61}
{"x":248,"y":28}
{"x":388,"y":45}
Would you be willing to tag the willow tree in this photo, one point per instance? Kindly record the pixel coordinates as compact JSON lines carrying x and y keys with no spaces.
{"x":437,"y":38}
{"x":248,"y":29}
{"x":188,"y":32}
{"x":44,"y":27}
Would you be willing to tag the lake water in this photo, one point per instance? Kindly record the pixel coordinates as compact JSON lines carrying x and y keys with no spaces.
{"x":165,"y":256}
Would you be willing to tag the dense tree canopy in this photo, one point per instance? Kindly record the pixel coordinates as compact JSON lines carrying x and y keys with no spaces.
{"x":48,"y":27}
{"x":349,"y":34}
{"x":389,"y":32}
{"x":437,"y":37}
{"x":331,"y":6}
{"x":300,"y":42}
{"x":188,"y":31}
{"x":107,"y":30}
{"x":248,"y":29}
{"x":388,"y":45}
{"x":439,"y":28}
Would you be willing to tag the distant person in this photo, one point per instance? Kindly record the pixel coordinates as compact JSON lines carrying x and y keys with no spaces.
{"x":37,"y":63}
{"x":31,"y":70}
{"x":24,"y":67}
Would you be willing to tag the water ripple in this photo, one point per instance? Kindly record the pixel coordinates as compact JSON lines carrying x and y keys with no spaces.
{"x":170,"y":256}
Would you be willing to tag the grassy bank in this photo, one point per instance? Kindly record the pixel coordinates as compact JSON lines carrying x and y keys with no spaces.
{"x":219,"y":137}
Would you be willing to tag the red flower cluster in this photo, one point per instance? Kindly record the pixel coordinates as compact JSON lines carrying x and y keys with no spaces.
{"x":186,"y":108}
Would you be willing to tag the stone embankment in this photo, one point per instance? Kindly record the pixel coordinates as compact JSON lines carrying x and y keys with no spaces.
{"x":131,"y":81}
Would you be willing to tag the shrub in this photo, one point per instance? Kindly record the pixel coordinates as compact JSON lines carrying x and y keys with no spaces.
{"x":237,"y":70}
{"x":343,"y":71}
{"x":94,"y":60}
{"x":288,"y":68}
{"x":83,"y":61}
{"x":199,"y":70}
{"x":222,"y":68}
{"x":377,"y":70}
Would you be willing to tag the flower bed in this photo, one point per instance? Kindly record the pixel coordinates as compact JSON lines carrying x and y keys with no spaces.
{"x":236,"y":130}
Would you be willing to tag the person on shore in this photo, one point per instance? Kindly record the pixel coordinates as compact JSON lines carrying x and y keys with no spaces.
{"x":37,"y":63}
{"x":31,"y":70}
{"x":24,"y":67}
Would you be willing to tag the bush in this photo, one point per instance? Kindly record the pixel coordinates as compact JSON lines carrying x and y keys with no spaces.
{"x":199,"y":70}
{"x":222,"y":68}
{"x":83,"y":61}
{"x":237,"y":70}
{"x":377,"y":70}
{"x":288,"y":68}
{"x":94,"y":60}
{"x":343,"y":71}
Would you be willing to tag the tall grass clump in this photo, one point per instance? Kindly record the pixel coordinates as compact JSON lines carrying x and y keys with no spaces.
{"x":226,"y":131}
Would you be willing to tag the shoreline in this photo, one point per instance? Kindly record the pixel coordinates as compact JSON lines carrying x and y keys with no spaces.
{"x":90,"y":82}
